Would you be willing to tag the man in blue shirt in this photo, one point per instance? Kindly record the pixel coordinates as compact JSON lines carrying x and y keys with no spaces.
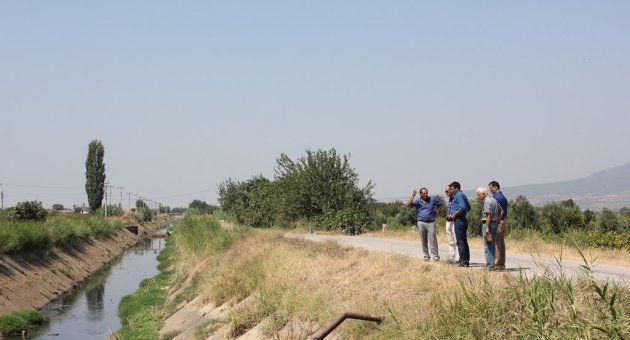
{"x":495,"y":189}
{"x":426,"y":221}
{"x":457,"y":213}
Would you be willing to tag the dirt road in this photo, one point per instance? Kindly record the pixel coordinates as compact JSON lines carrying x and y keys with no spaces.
{"x":515,"y":262}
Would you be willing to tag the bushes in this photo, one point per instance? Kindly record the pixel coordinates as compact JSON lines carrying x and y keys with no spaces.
{"x":350,"y":221}
{"x":112,"y":210}
{"x":320,"y":187}
{"x":18,"y":321}
{"x":144,"y":214}
{"x":26,"y":237}
{"x":27,"y":211}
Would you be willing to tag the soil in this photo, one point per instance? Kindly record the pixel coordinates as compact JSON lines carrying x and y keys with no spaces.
{"x":32,"y":281}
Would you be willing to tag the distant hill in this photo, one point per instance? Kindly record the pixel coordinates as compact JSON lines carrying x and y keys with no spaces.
{"x":607,"y":188}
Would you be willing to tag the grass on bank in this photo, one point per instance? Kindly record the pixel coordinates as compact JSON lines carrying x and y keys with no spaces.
{"x":18,"y":237}
{"x":291,"y":287}
{"x":16,"y":322}
{"x":196,"y":237}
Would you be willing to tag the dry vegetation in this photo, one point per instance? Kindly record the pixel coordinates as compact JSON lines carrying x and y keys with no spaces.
{"x":280,"y":282}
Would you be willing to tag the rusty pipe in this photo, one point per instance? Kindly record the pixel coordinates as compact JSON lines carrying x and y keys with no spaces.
{"x":347,"y":315}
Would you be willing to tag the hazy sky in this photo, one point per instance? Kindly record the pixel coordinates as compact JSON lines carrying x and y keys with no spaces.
{"x":185,"y":94}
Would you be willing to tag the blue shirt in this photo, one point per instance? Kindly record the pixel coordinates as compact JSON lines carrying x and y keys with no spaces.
{"x":426,"y":211}
{"x":460,"y":202}
{"x":503,"y":202}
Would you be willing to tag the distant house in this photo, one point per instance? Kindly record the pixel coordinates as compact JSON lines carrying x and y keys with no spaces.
{"x":83,"y":210}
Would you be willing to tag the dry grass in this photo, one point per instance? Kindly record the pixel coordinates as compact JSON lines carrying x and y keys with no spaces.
{"x":537,"y":247}
{"x":275,"y":283}
{"x":297,"y":279}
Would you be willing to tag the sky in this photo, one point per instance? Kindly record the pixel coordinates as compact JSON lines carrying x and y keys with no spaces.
{"x":184,"y":95}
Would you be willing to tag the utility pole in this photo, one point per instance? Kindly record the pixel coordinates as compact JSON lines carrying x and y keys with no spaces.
{"x":129,"y":198}
{"x":121,"y":189}
{"x":106,"y":185}
{"x":1,"y":197}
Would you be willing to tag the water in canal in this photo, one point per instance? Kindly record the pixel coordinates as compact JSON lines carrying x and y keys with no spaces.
{"x":91,"y":311}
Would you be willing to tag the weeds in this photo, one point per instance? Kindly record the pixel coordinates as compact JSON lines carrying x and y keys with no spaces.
{"x":18,"y":321}
{"x":23,"y":237}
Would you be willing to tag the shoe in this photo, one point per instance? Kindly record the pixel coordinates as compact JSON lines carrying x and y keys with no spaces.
{"x":490,"y":268}
{"x":436,"y":260}
{"x":499,"y":268}
{"x":427,"y":258}
{"x":463,"y":264}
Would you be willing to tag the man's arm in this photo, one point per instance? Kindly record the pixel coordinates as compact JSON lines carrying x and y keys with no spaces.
{"x":410,"y":200}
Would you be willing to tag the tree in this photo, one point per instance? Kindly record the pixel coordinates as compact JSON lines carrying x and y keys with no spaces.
{"x":199,"y":205}
{"x":607,"y":220}
{"x":95,"y":174}
{"x":558,"y":217}
{"x":57,"y":207}
{"x":141,"y":204}
{"x":522,"y":214}
{"x":323,"y":187}
{"x":30,"y":211}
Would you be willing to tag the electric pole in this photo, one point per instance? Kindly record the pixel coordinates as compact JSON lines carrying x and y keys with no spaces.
{"x":106,"y":185}
{"x":1,"y":197}
{"x":121,"y":189}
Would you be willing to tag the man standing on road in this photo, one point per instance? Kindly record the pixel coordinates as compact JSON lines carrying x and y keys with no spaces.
{"x":490,"y":216}
{"x":426,"y":221}
{"x":495,"y":189}
{"x":457,"y":214}
{"x":453,"y":255}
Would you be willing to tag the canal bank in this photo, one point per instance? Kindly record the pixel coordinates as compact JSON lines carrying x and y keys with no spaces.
{"x":33,"y":281}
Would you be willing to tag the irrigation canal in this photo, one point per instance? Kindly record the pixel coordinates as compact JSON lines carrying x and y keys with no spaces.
{"x":91,"y":312}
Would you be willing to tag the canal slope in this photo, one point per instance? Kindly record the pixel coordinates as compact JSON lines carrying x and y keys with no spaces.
{"x":32,"y":281}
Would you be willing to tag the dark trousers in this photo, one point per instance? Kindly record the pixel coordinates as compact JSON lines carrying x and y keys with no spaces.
{"x":461,"y":229}
{"x":500,"y":240}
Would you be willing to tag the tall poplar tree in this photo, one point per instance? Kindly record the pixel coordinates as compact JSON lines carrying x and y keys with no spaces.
{"x":95,"y":174}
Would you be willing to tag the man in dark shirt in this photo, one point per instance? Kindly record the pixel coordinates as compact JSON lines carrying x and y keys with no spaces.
{"x":495,"y":189}
{"x":457,"y":213}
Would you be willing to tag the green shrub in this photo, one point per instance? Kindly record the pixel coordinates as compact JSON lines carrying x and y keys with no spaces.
{"x":18,"y":321}
{"x":144,"y":214}
{"x":30,"y":211}
{"x":112,"y":210}
{"x":349,"y":221}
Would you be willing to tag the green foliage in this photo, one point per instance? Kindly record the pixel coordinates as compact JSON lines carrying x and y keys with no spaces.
{"x":178,"y":210}
{"x":29,"y":211}
{"x":347,"y":220}
{"x":18,"y":237}
{"x":202,"y":206}
{"x":474,"y":217}
{"x":406,"y":216}
{"x":141,"y":204}
{"x":57,"y":207}
{"x":607,"y":221}
{"x":320,"y":187}
{"x":136,"y":310}
{"x":320,"y":181}
{"x":95,"y":174}
{"x":557,"y":217}
{"x":538,"y":307}
{"x":14,"y":323}
{"x":112,"y":210}
{"x":145,"y":214}
{"x":200,"y":234}
{"x":522,"y":214}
